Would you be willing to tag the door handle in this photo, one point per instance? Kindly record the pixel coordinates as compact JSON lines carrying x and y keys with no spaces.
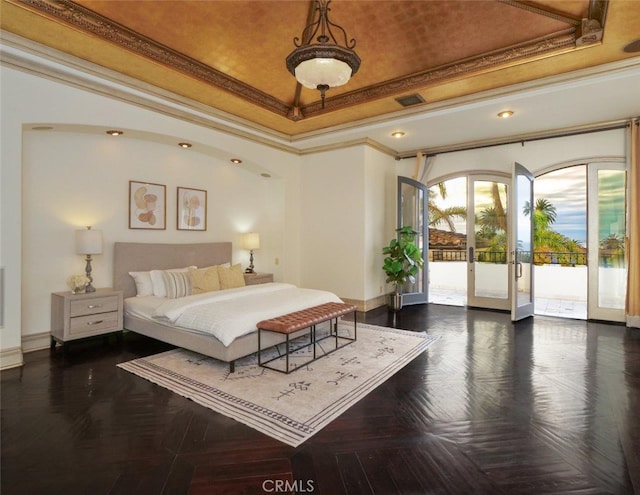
{"x":519,"y":270}
{"x":471,"y":254}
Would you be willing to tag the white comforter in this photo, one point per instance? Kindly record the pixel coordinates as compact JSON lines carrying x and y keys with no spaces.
{"x":232,"y":313}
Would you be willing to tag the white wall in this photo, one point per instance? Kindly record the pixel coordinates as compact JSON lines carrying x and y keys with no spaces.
{"x":348,"y":207}
{"x":332,"y":208}
{"x":379,"y":218}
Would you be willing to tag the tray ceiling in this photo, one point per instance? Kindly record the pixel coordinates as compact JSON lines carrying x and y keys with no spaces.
{"x":230,"y":55}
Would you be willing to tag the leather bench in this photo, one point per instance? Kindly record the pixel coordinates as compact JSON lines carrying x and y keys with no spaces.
{"x":307,"y":318}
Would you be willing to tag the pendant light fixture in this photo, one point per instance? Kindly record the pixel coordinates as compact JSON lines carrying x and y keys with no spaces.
{"x":324,"y":64}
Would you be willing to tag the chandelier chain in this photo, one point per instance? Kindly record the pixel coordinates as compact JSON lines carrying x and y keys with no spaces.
{"x":324,"y":24}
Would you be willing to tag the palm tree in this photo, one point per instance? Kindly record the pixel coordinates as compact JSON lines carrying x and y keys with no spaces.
{"x":612,"y":251}
{"x":545,"y":239}
{"x":437,"y":215}
{"x":544,"y":214}
{"x":499,"y":211}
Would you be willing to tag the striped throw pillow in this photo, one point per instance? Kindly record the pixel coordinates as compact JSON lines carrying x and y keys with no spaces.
{"x":178,"y":284}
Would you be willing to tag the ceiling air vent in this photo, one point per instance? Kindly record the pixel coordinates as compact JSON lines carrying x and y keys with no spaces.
{"x":407,"y":101}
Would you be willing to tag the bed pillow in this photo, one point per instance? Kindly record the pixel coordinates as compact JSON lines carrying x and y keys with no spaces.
{"x":144,"y":286}
{"x":231,"y":277}
{"x":177,"y":283}
{"x":159,"y":287}
{"x":204,"y":279}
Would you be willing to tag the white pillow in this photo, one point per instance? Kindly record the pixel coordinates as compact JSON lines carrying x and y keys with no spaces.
{"x":159,"y":287}
{"x":144,"y":286}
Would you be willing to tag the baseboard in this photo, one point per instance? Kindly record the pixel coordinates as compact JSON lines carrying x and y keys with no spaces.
{"x":368,"y":305}
{"x":633,"y":321}
{"x":36,"y":342}
{"x":11,"y":358}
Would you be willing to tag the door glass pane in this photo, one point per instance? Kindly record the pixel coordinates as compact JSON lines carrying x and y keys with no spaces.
{"x":447,"y":210}
{"x":411,"y":214}
{"x":490,"y":212}
{"x":611,"y":231}
{"x":523,"y":240}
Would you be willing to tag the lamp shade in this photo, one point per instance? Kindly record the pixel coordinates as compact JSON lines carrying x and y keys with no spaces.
{"x":323,"y":71}
{"x":251,"y":240}
{"x":88,"y":241}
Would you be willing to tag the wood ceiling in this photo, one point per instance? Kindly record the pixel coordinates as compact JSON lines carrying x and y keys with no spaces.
{"x":230,"y":55}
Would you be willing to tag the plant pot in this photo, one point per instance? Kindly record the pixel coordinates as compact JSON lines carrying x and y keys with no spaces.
{"x":395,"y":302}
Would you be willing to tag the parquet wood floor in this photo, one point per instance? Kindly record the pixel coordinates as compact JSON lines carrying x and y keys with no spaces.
{"x":545,"y":406}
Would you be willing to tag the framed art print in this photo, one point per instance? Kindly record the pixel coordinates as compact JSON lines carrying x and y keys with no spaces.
{"x":192,"y":209}
{"x":147,"y":205}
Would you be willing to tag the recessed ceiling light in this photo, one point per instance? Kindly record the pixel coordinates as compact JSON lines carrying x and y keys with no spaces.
{"x":114,"y":132}
{"x":236,"y":161}
{"x":505,"y":114}
{"x":397,"y":134}
{"x":185,"y":145}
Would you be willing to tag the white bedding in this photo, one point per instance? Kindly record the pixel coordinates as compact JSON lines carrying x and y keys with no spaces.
{"x":231,"y":313}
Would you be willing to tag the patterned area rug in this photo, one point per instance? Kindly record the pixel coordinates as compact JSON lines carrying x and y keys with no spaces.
{"x":293,"y":407}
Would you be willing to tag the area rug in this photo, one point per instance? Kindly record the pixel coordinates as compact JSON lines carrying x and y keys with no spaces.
{"x":290,"y":408}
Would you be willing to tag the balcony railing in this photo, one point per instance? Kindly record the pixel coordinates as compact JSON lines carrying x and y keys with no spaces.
{"x":559,"y":258}
{"x":500,"y":257}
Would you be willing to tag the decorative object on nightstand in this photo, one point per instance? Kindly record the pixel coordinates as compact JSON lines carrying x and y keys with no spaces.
{"x":251,"y":241}
{"x":89,"y":242}
{"x":85,"y":315}
{"x":77,"y":283}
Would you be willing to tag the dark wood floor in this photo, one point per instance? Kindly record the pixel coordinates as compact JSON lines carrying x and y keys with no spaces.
{"x":546,"y":406}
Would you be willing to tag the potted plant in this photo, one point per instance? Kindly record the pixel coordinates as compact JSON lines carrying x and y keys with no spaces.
{"x":402,"y":262}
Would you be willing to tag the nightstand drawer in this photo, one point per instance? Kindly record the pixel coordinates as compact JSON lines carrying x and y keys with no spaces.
{"x":258,"y":278}
{"x":96,"y":323}
{"x":94,"y":305}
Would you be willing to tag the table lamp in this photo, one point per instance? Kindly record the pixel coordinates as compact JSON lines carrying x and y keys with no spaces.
{"x":251,"y":241}
{"x":89,"y":242}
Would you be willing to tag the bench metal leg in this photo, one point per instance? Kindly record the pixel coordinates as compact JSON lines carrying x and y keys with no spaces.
{"x":259,"y":349}
{"x":287,"y":353}
{"x":312,"y":340}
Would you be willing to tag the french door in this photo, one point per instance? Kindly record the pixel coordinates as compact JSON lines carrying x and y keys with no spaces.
{"x":488,"y":270}
{"x":412,"y":211}
{"x":500,"y":242}
{"x":522,"y":243}
{"x":606,"y":205}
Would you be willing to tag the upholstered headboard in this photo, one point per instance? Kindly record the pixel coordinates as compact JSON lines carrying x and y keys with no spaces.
{"x":136,"y":257}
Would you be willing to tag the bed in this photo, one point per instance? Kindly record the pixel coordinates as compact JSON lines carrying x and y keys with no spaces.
{"x":138,"y":257}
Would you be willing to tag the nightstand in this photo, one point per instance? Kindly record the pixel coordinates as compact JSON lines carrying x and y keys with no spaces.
{"x":76,"y":316}
{"x":257,"y":278}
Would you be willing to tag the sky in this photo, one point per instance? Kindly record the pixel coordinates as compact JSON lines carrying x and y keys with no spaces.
{"x":566,"y":189}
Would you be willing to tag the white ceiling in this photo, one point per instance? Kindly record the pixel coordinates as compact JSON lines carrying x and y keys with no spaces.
{"x":585,"y":98}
